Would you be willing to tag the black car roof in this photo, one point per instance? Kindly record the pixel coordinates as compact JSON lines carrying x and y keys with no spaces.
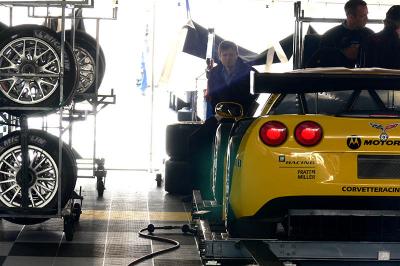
{"x":322,"y":80}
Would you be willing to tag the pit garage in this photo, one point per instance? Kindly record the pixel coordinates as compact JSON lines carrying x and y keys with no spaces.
{"x":113,"y":153}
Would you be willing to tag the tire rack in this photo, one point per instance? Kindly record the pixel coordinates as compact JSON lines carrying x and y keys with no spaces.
{"x":96,"y":165}
{"x":98,"y":102}
{"x":71,"y":212}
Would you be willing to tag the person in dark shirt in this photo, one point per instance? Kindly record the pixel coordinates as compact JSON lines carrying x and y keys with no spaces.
{"x":229,"y":81}
{"x":383,"y":48}
{"x":341,"y":45}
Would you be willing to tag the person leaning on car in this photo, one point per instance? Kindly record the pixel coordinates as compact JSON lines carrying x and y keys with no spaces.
{"x":229,"y":81}
{"x":383,"y":48}
{"x":341,"y":45}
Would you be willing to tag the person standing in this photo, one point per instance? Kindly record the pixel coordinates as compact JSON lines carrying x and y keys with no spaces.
{"x":383,"y":48}
{"x":342,"y":45}
{"x":229,"y":81}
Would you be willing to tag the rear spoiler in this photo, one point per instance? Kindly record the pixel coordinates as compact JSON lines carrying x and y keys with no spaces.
{"x":320,"y":82}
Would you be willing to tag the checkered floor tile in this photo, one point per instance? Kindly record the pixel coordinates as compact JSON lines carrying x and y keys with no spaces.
{"x":107,"y":233}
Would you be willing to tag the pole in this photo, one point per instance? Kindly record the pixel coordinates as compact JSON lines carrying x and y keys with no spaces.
{"x":152,"y":88}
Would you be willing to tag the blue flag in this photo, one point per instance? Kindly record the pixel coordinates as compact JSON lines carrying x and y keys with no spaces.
{"x":142,"y":82}
{"x":188,"y":15}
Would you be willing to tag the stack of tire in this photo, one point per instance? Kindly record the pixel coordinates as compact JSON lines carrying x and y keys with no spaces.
{"x":178,"y":174}
{"x":30,"y":67}
{"x":35,"y":51}
{"x":90,"y":74}
{"x":43,"y":173}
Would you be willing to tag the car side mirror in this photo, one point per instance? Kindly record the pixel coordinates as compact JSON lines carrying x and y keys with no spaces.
{"x":229,"y":110}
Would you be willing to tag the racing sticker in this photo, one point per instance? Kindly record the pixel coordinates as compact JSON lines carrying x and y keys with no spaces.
{"x":303,"y":168}
{"x":384,"y":135}
{"x":305,"y":173}
{"x":355,"y":142}
{"x":361,"y":189}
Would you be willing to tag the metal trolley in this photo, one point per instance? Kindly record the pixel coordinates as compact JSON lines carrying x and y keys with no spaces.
{"x":72,"y":210}
{"x":87,"y":167}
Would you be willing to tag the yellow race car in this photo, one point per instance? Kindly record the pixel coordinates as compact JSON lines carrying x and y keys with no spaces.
{"x":320,"y":160}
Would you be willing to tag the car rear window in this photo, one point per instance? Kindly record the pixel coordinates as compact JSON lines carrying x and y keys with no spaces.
{"x":349,"y":102}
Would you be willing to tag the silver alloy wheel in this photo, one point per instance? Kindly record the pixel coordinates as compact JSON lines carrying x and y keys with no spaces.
{"x":42,"y":177}
{"x":87,"y":69}
{"x":34,"y":58}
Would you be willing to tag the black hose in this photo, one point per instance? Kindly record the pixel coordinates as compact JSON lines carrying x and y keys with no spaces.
{"x":150,"y":228}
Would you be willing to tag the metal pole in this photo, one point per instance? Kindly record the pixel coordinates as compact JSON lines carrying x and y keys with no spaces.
{"x":25,"y":161}
{"x":152,"y":88}
{"x":70,"y":112}
{"x":95,"y":103}
{"x":11,"y":16}
{"x":60,"y":143}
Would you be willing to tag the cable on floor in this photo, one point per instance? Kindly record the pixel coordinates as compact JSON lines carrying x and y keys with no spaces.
{"x":150,"y":228}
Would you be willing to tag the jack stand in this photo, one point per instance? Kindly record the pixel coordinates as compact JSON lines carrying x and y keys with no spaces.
{"x":100,"y":174}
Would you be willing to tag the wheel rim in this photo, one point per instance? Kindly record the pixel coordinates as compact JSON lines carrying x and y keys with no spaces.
{"x":36,"y":59}
{"x":42,"y":173}
{"x":87,"y":69}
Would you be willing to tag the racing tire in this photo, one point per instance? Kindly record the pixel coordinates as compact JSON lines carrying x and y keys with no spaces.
{"x":177,"y":177}
{"x":219,"y":153}
{"x":85,"y":53}
{"x":177,"y":139}
{"x":43,"y":174}
{"x":33,"y":49}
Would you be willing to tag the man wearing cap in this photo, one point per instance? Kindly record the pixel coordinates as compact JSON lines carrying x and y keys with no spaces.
{"x":383,"y":48}
{"x":348,"y":38}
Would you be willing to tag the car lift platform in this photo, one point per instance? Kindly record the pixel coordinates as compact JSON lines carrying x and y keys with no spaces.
{"x":216,"y":247}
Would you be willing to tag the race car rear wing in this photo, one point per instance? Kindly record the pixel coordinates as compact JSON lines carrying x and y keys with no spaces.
{"x":300,"y":82}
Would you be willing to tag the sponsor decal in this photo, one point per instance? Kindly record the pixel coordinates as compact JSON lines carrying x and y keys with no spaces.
{"x":371,"y":189}
{"x":299,"y":162}
{"x":304,"y":169}
{"x":306,"y":174}
{"x":285,"y":163}
{"x":376,"y":142}
{"x":354,"y":142}
{"x":383,"y":136}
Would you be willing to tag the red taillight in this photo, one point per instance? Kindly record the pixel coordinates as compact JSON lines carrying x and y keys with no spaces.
{"x":273,"y":133}
{"x":308,"y":133}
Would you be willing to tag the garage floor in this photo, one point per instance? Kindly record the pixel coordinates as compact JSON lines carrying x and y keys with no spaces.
{"x":107,"y":233}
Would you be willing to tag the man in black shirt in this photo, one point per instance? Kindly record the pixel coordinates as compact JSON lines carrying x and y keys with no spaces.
{"x":229,"y":81}
{"x":341,"y":45}
{"x":383,"y":48}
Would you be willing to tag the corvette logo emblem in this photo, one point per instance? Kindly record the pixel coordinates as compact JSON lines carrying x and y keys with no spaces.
{"x":354,"y":142}
{"x":383,"y":136}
